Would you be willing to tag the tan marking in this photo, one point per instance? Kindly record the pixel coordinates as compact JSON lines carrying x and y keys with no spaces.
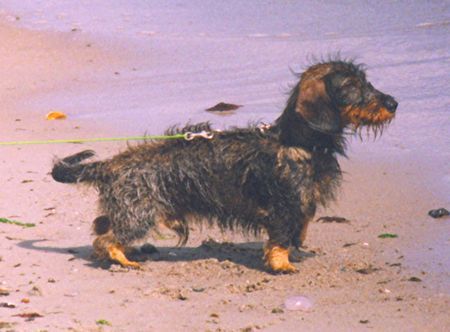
{"x":116,"y":253}
{"x":384,"y":115}
{"x":106,"y":246}
{"x":373,"y":114}
{"x":262,"y":212}
{"x":100,"y":245}
{"x":295,"y":154}
{"x":277,"y":259}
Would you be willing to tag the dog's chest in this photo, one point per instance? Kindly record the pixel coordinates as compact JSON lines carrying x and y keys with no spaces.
{"x":327,"y":177}
{"x":315,"y":176}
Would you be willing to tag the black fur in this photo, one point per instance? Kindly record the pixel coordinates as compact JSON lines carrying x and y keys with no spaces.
{"x":68,"y":169}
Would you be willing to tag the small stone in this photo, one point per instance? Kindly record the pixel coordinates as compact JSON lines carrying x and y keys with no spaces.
{"x":35,"y":291}
{"x":415,"y":279}
{"x":367,"y":270}
{"x":198,"y":289}
{"x":4,"y":292}
{"x":438,"y":213}
{"x":7,"y":305}
{"x":5,"y":325}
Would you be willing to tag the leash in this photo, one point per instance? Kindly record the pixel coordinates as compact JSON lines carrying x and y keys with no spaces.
{"x":188,"y":136}
{"x":15,"y":222}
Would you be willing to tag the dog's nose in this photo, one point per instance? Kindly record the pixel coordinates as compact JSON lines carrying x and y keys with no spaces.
{"x":390,"y":104}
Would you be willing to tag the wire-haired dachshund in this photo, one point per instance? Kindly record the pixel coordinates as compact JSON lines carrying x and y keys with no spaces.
{"x":268,"y":178}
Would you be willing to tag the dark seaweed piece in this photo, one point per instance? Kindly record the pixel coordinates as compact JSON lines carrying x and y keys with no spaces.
{"x":223,"y":107}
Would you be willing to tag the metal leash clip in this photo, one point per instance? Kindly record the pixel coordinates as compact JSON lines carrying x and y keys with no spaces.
{"x":263,"y":127}
{"x":189,"y":136}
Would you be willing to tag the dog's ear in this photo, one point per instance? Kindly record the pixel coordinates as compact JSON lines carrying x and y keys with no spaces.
{"x":314,"y":105}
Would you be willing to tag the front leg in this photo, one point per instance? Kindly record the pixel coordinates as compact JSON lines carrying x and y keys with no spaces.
{"x":303,"y":232}
{"x":298,"y":239}
{"x":276,"y":250}
{"x":277,"y":258}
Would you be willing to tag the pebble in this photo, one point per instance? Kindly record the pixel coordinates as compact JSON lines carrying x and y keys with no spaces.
{"x":438,"y":213}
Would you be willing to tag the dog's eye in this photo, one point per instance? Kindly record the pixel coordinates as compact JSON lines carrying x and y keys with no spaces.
{"x":352,"y":90}
{"x":348,"y":83}
{"x":352,"y":95}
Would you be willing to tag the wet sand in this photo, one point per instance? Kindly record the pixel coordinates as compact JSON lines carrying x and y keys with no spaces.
{"x":356,"y":280}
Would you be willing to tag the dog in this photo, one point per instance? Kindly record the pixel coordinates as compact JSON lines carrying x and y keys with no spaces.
{"x":269,"y":178}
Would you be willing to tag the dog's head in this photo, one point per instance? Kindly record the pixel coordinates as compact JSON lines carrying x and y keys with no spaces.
{"x":336,"y":94}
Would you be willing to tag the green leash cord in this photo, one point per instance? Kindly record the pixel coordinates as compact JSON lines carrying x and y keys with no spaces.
{"x":188,"y":136}
{"x":15,"y":222}
{"x":87,"y":140}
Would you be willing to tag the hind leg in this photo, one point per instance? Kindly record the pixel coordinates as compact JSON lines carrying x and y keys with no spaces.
{"x":298,"y":241}
{"x":106,"y":246}
{"x":179,"y":226}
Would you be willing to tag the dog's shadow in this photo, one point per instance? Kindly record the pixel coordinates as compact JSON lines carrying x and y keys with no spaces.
{"x":248,"y":254}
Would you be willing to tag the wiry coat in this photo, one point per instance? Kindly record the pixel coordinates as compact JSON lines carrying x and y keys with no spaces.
{"x":249,"y":179}
{"x":242,"y":178}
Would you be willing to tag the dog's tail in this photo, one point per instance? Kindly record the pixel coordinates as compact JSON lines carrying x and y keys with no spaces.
{"x":71,"y":170}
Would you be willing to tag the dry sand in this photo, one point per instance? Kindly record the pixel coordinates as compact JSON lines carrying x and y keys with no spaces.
{"x":356,"y":280}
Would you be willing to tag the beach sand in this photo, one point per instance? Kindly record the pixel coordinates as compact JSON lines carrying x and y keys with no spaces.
{"x":356,"y":280}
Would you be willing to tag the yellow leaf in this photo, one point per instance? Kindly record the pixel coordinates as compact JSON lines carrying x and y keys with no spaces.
{"x":55,"y":115}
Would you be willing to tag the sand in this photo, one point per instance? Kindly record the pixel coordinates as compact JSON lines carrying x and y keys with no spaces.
{"x":356,"y":280}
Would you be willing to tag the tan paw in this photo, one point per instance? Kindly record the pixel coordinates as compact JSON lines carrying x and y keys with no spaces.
{"x":116,"y":253}
{"x":277,"y":259}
